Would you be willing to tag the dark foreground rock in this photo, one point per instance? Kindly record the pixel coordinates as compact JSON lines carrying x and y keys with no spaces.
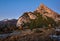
{"x":30,"y":35}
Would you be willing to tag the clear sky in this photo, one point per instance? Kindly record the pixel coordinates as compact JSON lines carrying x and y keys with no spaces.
{"x":10,"y":9}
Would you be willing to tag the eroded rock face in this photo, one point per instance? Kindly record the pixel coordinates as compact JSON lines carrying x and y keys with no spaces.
{"x":42,"y":9}
{"x":25,"y":19}
{"x":22,"y":20}
{"x":32,"y":16}
{"x":48,"y":12}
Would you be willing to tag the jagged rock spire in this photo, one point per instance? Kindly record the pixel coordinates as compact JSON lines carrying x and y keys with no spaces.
{"x":42,"y":7}
{"x":46,"y":11}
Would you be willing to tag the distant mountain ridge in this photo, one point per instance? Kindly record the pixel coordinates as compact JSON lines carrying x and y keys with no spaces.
{"x":7,"y":25}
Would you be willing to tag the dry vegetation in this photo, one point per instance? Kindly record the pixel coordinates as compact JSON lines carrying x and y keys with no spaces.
{"x":35,"y":35}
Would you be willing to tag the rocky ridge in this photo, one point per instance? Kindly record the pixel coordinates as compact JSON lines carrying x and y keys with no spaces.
{"x":42,"y":9}
{"x":42,"y":23}
{"x":48,"y":12}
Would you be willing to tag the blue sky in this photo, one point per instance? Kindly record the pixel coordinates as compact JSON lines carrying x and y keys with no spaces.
{"x":10,"y":9}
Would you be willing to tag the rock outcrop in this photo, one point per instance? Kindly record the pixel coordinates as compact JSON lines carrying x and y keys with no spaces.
{"x":42,"y":9}
{"x":25,"y":19}
{"x":48,"y":12}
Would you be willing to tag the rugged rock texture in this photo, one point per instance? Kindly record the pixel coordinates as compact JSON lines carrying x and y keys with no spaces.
{"x":39,"y":34}
{"x":41,"y":24}
{"x":25,"y":18}
{"x":48,"y":12}
{"x":42,"y":9}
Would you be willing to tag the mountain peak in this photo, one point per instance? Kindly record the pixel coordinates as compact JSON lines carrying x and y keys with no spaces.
{"x":43,"y":9}
{"x":42,"y":5}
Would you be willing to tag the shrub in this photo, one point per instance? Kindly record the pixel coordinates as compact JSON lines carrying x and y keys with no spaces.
{"x":40,"y":22}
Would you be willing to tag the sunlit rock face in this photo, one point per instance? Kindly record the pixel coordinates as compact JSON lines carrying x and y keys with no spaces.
{"x":25,"y":19}
{"x":32,"y":16}
{"x":22,"y":20}
{"x":48,"y":12}
{"x":42,"y":9}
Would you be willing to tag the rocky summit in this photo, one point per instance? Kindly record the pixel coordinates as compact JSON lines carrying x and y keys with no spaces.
{"x":39,"y":25}
{"x":43,"y":10}
{"x":48,"y":12}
